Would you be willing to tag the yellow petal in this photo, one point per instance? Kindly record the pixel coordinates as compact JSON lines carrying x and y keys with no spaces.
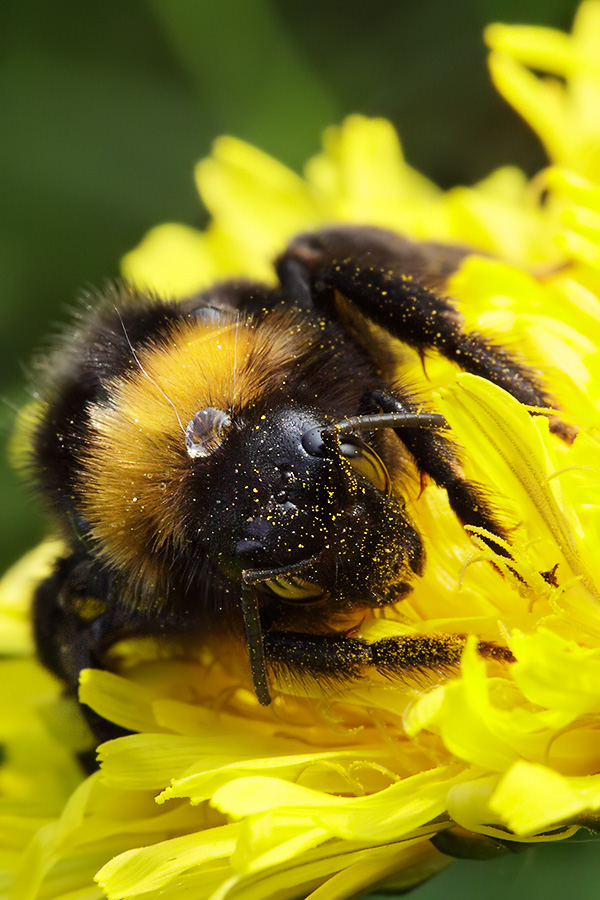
{"x":557,"y":673}
{"x":504,"y":438}
{"x":531,"y":798}
{"x":542,"y":104}
{"x":151,"y":868}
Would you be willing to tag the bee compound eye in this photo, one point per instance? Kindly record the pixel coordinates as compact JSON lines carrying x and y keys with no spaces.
{"x":365,"y":462}
{"x":205,"y":431}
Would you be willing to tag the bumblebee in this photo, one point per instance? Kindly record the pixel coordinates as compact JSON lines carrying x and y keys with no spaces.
{"x":234,"y":463}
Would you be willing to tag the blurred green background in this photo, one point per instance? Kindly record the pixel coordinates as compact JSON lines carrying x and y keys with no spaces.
{"x":105,"y":108}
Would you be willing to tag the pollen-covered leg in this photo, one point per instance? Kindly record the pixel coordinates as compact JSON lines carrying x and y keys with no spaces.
{"x":333,"y":658}
{"x":423,"y":319}
{"x":428,"y":653}
{"x":436,"y":455}
{"x":398,"y":284}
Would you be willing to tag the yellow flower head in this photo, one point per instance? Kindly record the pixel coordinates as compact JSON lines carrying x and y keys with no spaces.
{"x":327,"y":794}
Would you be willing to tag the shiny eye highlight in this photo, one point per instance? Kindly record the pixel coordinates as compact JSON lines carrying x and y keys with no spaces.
{"x":205,"y":431}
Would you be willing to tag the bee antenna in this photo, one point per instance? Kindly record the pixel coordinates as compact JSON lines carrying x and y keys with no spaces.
{"x":254,"y":638}
{"x":143,"y":371}
{"x":323,"y":440}
{"x":386,"y":420}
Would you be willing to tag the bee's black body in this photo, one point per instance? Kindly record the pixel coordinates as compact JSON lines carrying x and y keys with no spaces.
{"x":206,"y":501}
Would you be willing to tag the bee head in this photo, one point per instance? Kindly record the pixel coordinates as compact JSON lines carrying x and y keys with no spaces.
{"x":303,"y":512}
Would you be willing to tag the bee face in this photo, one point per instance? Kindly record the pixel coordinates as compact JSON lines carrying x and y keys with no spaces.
{"x":218,"y":464}
{"x":282,"y":502}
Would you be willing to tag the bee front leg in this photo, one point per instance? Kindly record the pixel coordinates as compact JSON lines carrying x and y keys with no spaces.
{"x":400,"y":286}
{"x":381,"y":274}
{"x":335,"y":659}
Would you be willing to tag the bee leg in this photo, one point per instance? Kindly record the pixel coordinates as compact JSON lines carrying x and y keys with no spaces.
{"x":59,"y":628}
{"x":414,"y":314}
{"x":385,"y":276}
{"x":423,"y":319}
{"x":70,"y":629}
{"x":337,"y":658}
{"x":437,"y":456}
